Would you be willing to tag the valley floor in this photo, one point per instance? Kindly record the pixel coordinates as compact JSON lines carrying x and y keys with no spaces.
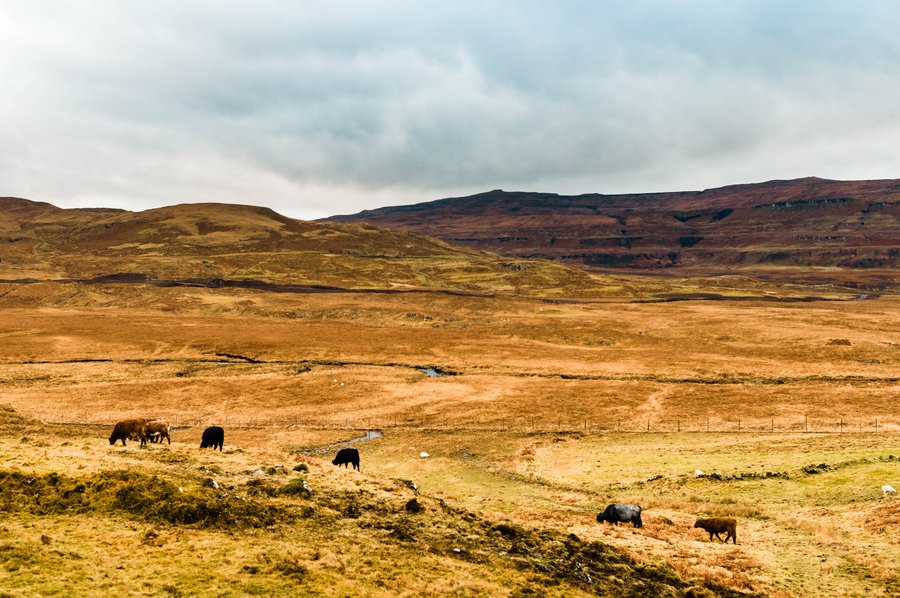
{"x":544,"y":413}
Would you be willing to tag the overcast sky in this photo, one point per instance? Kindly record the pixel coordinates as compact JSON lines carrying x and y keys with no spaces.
{"x":320,"y":108}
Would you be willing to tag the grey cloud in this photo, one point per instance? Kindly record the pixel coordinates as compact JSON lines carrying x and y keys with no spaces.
{"x":318,"y":108}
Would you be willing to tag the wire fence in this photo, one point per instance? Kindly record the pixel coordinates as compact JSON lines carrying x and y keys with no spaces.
{"x":521,"y":424}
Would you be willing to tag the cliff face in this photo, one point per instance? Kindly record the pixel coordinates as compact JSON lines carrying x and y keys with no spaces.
{"x":853,"y":225}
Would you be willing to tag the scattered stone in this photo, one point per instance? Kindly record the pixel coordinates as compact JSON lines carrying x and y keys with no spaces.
{"x":424,"y":455}
{"x":814,"y":469}
{"x":413,"y":506}
{"x":301,"y":467}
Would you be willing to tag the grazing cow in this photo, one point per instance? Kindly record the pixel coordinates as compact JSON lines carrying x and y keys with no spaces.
{"x":719,"y":525}
{"x":130,"y":428}
{"x":157,"y":429}
{"x":213,"y":436}
{"x":345,"y":456}
{"x":616,"y":513}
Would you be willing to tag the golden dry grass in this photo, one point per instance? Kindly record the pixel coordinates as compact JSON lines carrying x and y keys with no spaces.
{"x":526,"y":432}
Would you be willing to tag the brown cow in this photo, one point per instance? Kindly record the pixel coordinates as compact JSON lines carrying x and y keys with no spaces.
{"x":157,"y":429}
{"x":719,"y":525}
{"x":130,"y":427}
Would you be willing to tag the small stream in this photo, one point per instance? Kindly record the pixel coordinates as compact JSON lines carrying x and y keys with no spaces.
{"x":369,"y":435}
{"x":327,"y":449}
{"x":435,"y":372}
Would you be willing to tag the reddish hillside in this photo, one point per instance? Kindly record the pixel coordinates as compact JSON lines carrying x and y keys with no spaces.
{"x":803,"y":223}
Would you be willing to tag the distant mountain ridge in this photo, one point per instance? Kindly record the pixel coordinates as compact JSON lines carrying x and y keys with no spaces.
{"x":799,"y":223}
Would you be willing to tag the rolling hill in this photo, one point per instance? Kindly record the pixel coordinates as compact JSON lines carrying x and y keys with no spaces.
{"x":222,"y":244}
{"x":845,"y":230}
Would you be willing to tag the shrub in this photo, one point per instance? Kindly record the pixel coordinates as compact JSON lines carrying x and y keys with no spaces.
{"x":296,"y":487}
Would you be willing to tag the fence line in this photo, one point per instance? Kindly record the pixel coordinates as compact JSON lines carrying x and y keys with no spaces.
{"x":521,"y":424}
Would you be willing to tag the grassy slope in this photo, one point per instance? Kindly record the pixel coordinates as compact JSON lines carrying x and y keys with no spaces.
{"x":91,"y":520}
{"x":800,"y":533}
{"x":208,"y":241}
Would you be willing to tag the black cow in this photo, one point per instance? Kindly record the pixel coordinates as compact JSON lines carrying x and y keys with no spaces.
{"x":213,"y":436}
{"x":616,"y":513}
{"x":345,"y":456}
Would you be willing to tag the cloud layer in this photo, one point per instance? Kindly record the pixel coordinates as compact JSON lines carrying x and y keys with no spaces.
{"x":318,"y":109}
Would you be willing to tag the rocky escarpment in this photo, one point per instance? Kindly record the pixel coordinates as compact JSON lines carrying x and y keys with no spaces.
{"x":852,"y":225}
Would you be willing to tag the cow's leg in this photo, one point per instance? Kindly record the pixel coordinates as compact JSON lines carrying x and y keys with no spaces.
{"x":710,"y":536}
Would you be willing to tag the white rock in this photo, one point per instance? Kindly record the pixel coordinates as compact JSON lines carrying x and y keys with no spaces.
{"x":424,"y":455}
{"x":886,"y":489}
{"x":698,"y":472}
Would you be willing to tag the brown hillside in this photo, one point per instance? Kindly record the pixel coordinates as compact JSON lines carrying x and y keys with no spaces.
{"x":211,"y":242}
{"x":786,"y":227}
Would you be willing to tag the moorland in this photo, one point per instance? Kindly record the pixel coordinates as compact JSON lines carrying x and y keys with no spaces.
{"x":540,"y":393}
